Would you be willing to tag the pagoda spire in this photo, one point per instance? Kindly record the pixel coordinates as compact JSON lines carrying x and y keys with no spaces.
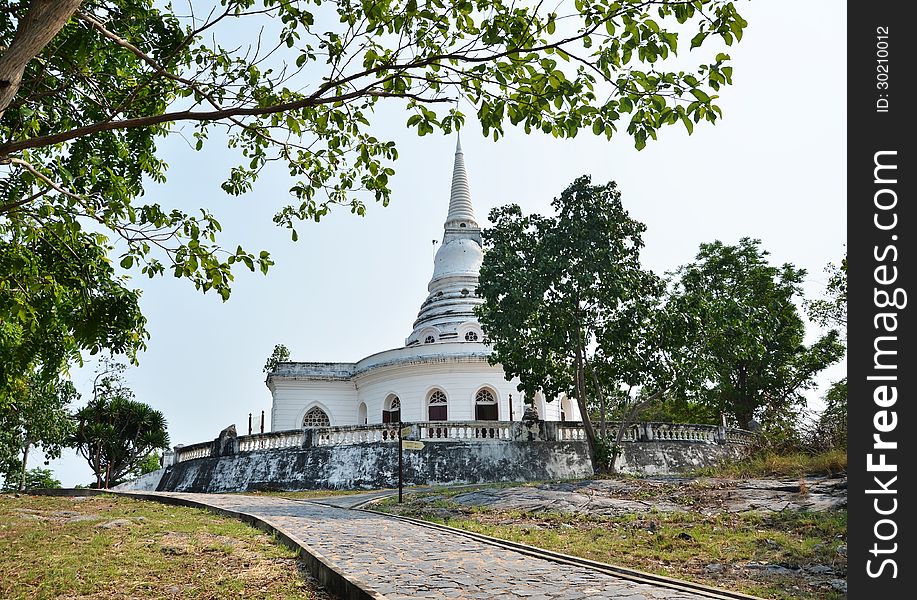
{"x":448,"y":310}
{"x":461,"y":212}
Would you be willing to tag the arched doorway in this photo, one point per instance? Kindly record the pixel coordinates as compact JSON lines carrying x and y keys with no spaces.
{"x":485,"y":406}
{"x":437,"y":406}
{"x":361,"y":414}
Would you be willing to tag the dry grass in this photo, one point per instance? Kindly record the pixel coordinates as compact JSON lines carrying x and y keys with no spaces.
{"x":116,"y":547}
{"x":782,"y":465}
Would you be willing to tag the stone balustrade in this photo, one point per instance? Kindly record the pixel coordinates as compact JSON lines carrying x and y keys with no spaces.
{"x":270,"y":441}
{"x":201,"y":450}
{"x":452,"y":431}
{"x":738,"y":436}
{"x":570,"y":432}
{"x":434,"y":431}
{"x":355,"y":434}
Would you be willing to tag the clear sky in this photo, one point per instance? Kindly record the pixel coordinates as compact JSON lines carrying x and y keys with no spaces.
{"x":774,"y":168}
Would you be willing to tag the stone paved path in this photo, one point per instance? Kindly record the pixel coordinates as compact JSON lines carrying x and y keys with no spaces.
{"x":402,"y":560}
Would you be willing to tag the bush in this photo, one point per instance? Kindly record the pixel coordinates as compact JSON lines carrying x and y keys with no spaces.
{"x":34,"y":479}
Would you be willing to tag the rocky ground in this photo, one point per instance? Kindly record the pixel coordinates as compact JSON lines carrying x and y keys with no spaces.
{"x":705,"y":495}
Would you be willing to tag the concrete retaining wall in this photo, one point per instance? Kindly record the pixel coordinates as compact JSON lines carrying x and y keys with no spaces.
{"x":520,"y":451}
{"x":144,"y":483}
{"x":375,"y":465}
{"x":671,"y":458}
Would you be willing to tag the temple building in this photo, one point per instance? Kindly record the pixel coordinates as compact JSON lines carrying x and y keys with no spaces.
{"x":440,"y":374}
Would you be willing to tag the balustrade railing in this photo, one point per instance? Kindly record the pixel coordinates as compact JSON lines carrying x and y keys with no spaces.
{"x":481,"y":431}
{"x":358,"y":434}
{"x":740,"y":436}
{"x":201,"y":450}
{"x":676,"y":432}
{"x":464,"y":430}
{"x":270,"y":441}
{"x":570,"y":433}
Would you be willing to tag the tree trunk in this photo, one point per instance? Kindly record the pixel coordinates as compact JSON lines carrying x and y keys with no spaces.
{"x":25,"y":459}
{"x":581,"y":402}
{"x":602,"y":411}
{"x":97,"y":467}
{"x":40,"y":24}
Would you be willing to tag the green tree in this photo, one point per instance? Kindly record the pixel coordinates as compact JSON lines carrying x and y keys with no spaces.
{"x":566,"y":302}
{"x":830,"y":311}
{"x":35,"y":415}
{"x":115,"y":433}
{"x":34,"y":479}
{"x":151,"y":462}
{"x":280,"y":354}
{"x":88,"y":88}
{"x":59,"y":295}
{"x":743,"y":333}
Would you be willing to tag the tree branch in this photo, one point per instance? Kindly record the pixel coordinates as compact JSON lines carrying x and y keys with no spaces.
{"x":39,"y":26}
{"x":39,"y":175}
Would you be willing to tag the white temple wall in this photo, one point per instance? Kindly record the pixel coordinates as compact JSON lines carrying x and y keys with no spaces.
{"x":413,"y":383}
{"x":292,"y":398}
{"x":460,"y":381}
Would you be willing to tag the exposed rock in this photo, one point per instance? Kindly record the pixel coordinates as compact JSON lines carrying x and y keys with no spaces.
{"x":115,"y":523}
{"x":773,"y":569}
{"x":819,"y":569}
{"x":663,"y":494}
{"x":715,"y":568}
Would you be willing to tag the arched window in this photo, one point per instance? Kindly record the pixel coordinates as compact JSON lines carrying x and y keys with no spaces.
{"x":485,"y":406}
{"x":471,"y":336}
{"x":391,"y":409}
{"x":429,"y":339}
{"x":315,"y":417}
{"x":361,"y":414}
{"x":437,"y":406}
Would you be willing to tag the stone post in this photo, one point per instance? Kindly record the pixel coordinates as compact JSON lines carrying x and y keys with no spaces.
{"x":721,"y":434}
{"x":528,"y":431}
{"x":646,"y":432}
{"x":307,"y":438}
{"x":226,"y":443}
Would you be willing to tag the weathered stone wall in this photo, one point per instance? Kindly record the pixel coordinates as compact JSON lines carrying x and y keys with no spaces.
{"x":144,"y":483}
{"x":669,"y":458}
{"x":375,"y":465}
{"x":454,"y":453}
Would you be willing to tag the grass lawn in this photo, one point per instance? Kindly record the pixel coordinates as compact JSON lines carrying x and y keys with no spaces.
{"x":688,"y":545}
{"x":107,"y":547}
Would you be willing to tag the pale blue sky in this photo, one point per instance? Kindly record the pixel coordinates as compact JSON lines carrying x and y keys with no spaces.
{"x":774,"y":169}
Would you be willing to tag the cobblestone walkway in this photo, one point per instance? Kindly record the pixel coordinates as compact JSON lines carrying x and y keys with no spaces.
{"x":403,"y":560}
